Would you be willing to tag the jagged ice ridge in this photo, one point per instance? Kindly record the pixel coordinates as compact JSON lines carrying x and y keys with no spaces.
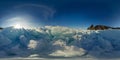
{"x":56,"y":41}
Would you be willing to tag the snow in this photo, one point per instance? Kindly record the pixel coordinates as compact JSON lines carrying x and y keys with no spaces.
{"x":57,"y":41}
{"x":32,"y":44}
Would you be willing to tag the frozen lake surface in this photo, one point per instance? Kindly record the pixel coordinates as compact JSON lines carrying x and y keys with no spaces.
{"x":55,"y":59}
{"x":56,"y":41}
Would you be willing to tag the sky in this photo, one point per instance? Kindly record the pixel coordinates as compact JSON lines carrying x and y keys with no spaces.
{"x":70,"y":13}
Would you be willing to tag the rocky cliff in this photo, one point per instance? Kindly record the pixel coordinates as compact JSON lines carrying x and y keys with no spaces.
{"x":101,"y":27}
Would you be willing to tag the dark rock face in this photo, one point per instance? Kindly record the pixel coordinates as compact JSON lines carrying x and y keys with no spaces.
{"x":1,"y":28}
{"x":116,"y":28}
{"x":99,"y":27}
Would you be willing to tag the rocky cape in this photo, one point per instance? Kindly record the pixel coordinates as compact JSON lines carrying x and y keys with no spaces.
{"x":101,"y":27}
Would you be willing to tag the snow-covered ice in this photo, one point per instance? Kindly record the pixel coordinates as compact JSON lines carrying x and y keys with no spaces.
{"x":56,"y":41}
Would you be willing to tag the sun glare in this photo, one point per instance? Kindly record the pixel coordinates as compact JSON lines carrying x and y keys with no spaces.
{"x":20,"y":22}
{"x":18,"y":26}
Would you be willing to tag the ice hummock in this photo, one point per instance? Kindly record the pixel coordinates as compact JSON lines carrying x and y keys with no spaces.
{"x":56,"y":41}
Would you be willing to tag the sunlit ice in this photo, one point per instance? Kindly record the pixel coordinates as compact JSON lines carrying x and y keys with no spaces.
{"x":18,"y":26}
{"x":20,"y":22}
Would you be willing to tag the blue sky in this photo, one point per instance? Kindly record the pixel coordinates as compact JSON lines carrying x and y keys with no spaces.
{"x":71,"y":13}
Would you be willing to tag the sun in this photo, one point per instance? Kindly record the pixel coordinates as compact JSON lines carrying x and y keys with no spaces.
{"x":18,"y":26}
{"x":21,"y":22}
